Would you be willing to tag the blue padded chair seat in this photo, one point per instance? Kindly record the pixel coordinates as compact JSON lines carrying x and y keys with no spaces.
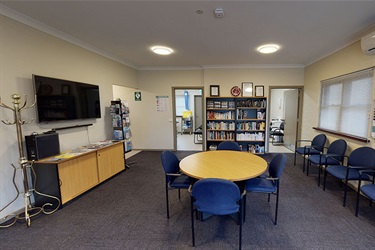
{"x":260,"y":185}
{"x":307,"y":150}
{"x":369,"y":190}
{"x":324,"y":160}
{"x":339,"y":172}
{"x":182,"y":182}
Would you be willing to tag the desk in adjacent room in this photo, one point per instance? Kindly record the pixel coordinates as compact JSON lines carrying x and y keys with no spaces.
{"x":223,"y":164}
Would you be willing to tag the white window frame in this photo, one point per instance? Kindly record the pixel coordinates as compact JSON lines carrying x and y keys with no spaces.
{"x":345,"y":104}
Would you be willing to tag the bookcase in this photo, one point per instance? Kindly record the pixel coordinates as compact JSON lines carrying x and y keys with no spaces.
{"x":240,"y":119}
{"x":121,"y":123}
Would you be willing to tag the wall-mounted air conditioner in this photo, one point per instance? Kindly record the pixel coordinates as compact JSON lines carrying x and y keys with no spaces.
{"x":368,"y":44}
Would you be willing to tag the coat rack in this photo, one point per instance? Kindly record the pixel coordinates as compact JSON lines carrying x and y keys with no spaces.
{"x":26,"y":168}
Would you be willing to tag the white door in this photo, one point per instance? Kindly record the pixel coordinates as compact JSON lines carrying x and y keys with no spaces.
{"x":291,"y":101}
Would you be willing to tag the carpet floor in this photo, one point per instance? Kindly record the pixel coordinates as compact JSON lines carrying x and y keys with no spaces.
{"x":129,"y":212}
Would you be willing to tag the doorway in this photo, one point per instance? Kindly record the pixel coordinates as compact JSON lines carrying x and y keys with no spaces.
{"x":284,"y":108}
{"x":188,"y":116}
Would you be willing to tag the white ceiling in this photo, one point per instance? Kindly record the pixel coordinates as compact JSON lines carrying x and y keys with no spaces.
{"x":125,"y":30}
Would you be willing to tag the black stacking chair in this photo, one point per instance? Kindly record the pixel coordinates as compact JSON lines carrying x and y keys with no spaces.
{"x":228,"y":145}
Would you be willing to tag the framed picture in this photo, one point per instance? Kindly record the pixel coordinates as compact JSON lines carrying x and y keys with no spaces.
{"x":259,"y":90}
{"x":65,"y":89}
{"x":247,"y":89}
{"x":214,"y":90}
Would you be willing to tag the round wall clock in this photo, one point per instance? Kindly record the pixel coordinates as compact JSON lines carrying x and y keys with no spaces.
{"x":45,"y":89}
{"x":235,"y":91}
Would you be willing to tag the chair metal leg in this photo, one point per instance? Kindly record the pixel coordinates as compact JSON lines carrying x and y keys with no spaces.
{"x":357,"y":202}
{"x":166,"y":198}
{"x":324,"y":179}
{"x":320,"y":169}
{"x":179,"y":194}
{"x":277,"y":204}
{"x":295,"y":153}
{"x":345,"y":188}
{"x":192,"y":222}
{"x":240,"y":236}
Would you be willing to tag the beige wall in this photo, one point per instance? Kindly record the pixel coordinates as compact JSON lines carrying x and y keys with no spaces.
{"x":345,"y":61}
{"x":25,"y":51}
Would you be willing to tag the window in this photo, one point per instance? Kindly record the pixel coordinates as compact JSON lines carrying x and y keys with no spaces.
{"x":345,"y":103}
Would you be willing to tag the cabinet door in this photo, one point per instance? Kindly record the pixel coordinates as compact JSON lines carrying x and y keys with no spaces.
{"x":77,"y":176}
{"x":111,"y":160}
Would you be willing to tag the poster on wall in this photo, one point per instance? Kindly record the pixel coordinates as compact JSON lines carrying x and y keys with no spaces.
{"x":373,"y":125}
{"x":162,"y":103}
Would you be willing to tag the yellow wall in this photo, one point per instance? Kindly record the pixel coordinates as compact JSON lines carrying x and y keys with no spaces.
{"x":345,"y":61}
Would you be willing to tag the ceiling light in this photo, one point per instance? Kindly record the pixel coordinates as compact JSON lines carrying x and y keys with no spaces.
{"x":268,"y":48}
{"x":162,"y":50}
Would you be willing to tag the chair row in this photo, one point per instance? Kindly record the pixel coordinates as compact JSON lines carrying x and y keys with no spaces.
{"x":221,"y":197}
{"x":360,"y":165}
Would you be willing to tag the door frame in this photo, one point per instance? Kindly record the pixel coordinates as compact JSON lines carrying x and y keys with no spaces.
{"x":299,"y":110}
{"x":174,"y":111}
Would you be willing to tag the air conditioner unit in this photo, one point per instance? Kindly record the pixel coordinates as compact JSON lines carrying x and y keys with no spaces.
{"x":368,"y":44}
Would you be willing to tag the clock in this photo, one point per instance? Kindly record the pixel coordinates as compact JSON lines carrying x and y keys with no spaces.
{"x":235,"y":91}
{"x":45,"y":89}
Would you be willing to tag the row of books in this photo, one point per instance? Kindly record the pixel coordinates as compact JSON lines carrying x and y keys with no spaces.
{"x":220,"y":115}
{"x":221,"y":125}
{"x":252,"y":104}
{"x":220,"y":135}
{"x":250,"y":136}
{"x":221,"y":104}
{"x":248,"y":126}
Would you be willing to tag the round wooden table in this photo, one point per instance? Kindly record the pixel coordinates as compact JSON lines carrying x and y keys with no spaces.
{"x":223,"y":164}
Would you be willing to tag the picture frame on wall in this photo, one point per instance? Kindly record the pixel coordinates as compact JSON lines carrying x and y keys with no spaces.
{"x":65,"y":89}
{"x":214,"y":90}
{"x":247,"y":89}
{"x":259,"y":90}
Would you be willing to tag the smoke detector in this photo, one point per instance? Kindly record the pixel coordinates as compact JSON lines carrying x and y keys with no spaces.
{"x":219,"y":12}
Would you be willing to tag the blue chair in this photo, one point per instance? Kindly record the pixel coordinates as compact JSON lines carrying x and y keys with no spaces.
{"x":214,"y":196}
{"x":316,"y":147}
{"x":270,"y":184}
{"x":335,"y":156}
{"x":360,"y":159}
{"x":173,"y":178}
{"x":229,"y":145}
{"x":368,"y":189}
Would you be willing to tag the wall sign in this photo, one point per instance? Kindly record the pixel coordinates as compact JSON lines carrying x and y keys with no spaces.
{"x":137,"y":96}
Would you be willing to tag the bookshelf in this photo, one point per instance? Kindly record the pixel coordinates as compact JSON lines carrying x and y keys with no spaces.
{"x":240,"y":119}
{"x":121,"y":123}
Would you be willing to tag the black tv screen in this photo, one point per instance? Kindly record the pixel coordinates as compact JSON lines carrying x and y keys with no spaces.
{"x":59,"y":99}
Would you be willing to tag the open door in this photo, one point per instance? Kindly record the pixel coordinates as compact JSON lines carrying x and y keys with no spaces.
{"x":291,"y":101}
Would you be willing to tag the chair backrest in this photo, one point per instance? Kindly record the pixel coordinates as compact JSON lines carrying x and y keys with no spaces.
{"x":170,"y":162}
{"x":282,"y":126}
{"x":229,"y":145}
{"x":337,"y":147}
{"x":363,"y":156}
{"x":216,"y":196}
{"x":319,"y":141}
{"x":277,"y":165}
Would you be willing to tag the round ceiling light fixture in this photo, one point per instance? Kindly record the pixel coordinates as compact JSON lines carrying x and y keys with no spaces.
{"x":161,"y":50}
{"x":268,"y":48}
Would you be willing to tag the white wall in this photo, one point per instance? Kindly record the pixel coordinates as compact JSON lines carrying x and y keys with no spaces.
{"x":25,"y":51}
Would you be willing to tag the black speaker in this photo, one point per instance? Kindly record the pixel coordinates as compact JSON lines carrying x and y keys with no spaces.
{"x":42,"y":146}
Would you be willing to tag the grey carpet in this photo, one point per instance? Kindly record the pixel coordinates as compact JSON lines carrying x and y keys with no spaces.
{"x":128,"y":212}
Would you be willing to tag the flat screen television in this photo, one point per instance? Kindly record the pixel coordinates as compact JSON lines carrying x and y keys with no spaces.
{"x":59,"y":99}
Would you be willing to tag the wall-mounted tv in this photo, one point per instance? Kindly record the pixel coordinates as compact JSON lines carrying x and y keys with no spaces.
{"x":59,"y":99}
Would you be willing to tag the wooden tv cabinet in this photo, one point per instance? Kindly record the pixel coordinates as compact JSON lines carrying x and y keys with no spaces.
{"x":68,"y":175}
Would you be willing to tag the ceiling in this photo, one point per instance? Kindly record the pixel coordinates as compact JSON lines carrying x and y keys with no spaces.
{"x":125,"y":30}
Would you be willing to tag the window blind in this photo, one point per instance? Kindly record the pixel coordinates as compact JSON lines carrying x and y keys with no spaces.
{"x":345,"y":103}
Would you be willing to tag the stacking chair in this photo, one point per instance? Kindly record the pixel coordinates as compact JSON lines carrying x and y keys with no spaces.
{"x":368,"y":189}
{"x":279,"y":132}
{"x":334,"y":156}
{"x":228,"y":145}
{"x":270,"y":184}
{"x":360,"y":159}
{"x":316,"y":147}
{"x":214,"y":196}
{"x":173,"y":178}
